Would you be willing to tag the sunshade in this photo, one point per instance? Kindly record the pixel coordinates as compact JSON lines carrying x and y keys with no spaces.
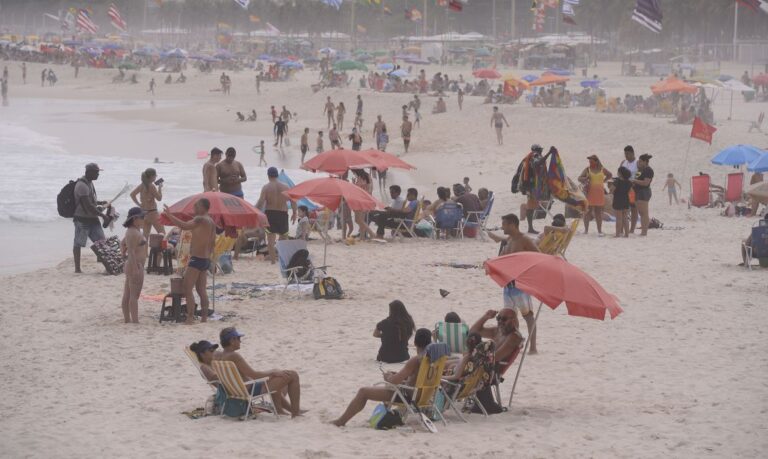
{"x":385,"y":66}
{"x":383,"y":161}
{"x":759,"y":192}
{"x":760,"y":164}
{"x":736,"y":155}
{"x":490,"y":74}
{"x":400,"y":73}
{"x":336,"y":162}
{"x":736,"y":85}
{"x":515,"y":81}
{"x":673,"y":84}
{"x":226,"y":211}
{"x":549,"y":78}
{"x":349,"y":65}
{"x":328,"y":192}
{"x":590,"y":83}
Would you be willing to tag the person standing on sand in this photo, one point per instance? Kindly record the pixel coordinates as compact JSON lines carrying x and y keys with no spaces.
{"x":328,"y":110}
{"x":273,"y":201}
{"x":24,"y":72}
{"x":43,"y":77}
{"x":319,"y":144}
{"x":149,"y":195}
{"x":341,"y":110}
{"x":152,"y":86}
{"x":231,"y":174}
{"x":515,"y":298}
{"x":460,"y":98}
{"x":378,"y":126}
{"x":671,"y":185}
{"x":258,"y":84}
{"x":304,"y":144}
{"x":334,"y":137}
{"x":594,"y":179}
{"x":4,"y":91}
{"x":87,"y":212}
{"x":356,"y":139}
{"x":210,"y":175}
{"x":262,"y":153}
{"x":405,"y":131}
{"x":279,"y":130}
{"x":642,"y":185}
{"x":134,"y":249}
{"x":359,"y":114}
{"x":201,"y":250}
{"x":498,"y":121}
{"x":631,"y":163}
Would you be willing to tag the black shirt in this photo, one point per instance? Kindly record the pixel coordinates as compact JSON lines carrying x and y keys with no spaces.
{"x":621,"y":194}
{"x":394,"y":348}
{"x":646,"y":173}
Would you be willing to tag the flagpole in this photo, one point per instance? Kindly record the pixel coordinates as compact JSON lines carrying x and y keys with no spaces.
{"x":685,"y":167}
{"x":424,"y":21}
{"x":735,"y":31}
{"x":352,"y":31}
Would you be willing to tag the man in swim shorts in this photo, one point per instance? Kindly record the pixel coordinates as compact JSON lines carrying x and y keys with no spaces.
{"x":275,"y":206}
{"x":201,"y":249}
{"x":231,"y":174}
{"x":515,"y":298}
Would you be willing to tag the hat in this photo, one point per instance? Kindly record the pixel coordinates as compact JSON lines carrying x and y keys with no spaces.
{"x":204,"y":346}
{"x":229,"y":333}
{"x":272,"y":172}
{"x":135,"y":212}
{"x":537,"y":147}
{"x":593,"y":157}
{"x":92,"y":167}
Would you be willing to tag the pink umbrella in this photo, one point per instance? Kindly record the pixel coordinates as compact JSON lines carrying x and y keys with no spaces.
{"x":382,"y":160}
{"x":336,"y":162}
{"x":490,"y":74}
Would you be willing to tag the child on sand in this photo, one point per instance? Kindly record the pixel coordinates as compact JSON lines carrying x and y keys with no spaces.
{"x":320,"y":148}
{"x":261,"y":154}
{"x":671,"y":186}
{"x":621,"y":186}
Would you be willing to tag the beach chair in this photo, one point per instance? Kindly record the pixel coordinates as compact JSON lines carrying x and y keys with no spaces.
{"x":452,"y":334}
{"x":322,"y":224}
{"x":477,"y":374}
{"x":481,"y":216}
{"x":700,"y":196}
{"x":734,"y":187}
{"x":285,"y":251}
{"x":423,"y":392}
{"x":409,"y":224}
{"x":236,"y":389}
{"x":501,"y":368}
{"x":193,"y":358}
{"x":757,"y":124}
{"x":449,"y":217}
{"x":552,"y":239}
{"x":758,"y":247}
{"x":560,"y":251}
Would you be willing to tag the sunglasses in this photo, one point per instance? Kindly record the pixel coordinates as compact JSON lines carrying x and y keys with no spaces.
{"x":503,"y":318}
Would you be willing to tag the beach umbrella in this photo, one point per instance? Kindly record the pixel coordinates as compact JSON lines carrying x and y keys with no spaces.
{"x":761,"y":79}
{"x":560,"y":72}
{"x":327,"y":51}
{"x":400,"y":73}
{"x":329,"y":192}
{"x":336,"y":162}
{"x":284,"y":178}
{"x":590,"y":83}
{"x":549,"y":78}
{"x":515,"y":81}
{"x":223,"y":54}
{"x":735,"y":85}
{"x":385,"y":66}
{"x":673,"y":84}
{"x":759,"y":192}
{"x":530,"y":78}
{"x":382,"y":160}
{"x":760,"y":164}
{"x":349,"y":65}
{"x":292,"y":64}
{"x":417,"y":60}
{"x":490,"y":74}
{"x":226,"y":211}
{"x":264,"y":57}
{"x":552,"y":281}
{"x":177,"y":53}
{"x":736,"y":155}
{"x":482,"y":52}
{"x":724,"y":78}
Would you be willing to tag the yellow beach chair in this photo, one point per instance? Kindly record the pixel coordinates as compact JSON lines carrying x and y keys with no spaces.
{"x":193,"y":358}
{"x":567,"y":240}
{"x":236,"y":389}
{"x":552,"y":239}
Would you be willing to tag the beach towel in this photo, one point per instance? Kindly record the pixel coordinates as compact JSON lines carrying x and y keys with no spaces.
{"x":436,"y":350}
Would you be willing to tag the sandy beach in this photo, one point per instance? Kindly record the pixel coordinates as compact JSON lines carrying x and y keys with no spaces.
{"x":681,"y":373}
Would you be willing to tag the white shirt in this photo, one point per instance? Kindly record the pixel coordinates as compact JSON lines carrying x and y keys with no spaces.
{"x":632,"y":166}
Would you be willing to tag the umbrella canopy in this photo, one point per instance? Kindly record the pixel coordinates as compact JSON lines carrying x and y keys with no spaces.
{"x":549,"y":78}
{"x":329,"y":191}
{"x":561,"y":72}
{"x":226,"y":211}
{"x":490,"y":74}
{"x":760,"y":164}
{"x":385,"y":66}
{"x":515,"y":81}
{"x":761,"y":79}
{"x":673,"y":84}
{"x":530,"y":78}
{"x":336,"y":162}
{"x":327,"y":50}
{"x":482,"y":52}
{"x":590,"y":83}
{"x":177,"y":53}
{"x":553,"y":281}
{"x":383,"y":161}
{"x":724,"y":77}
{"x":349,"y":65}
{"x":416,"y":60}
{"x":223,"y":54}
{"x":736,"y":155}
{"x":759,"y":192}
{"x":736,"y":85}
{"x":400,"y":73}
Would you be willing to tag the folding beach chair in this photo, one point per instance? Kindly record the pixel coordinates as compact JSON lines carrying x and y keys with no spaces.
{"x":480,"y":217}
{"x":449,"y":217}
{"x":452,"y":334}
{"x":758,"y":247}
{"x":501,"y":369}
{"x":700,"y":196}
{"x":476,"y":374}
{"x":297,"y":274}
{"x":423,"y":392}
{"x":236,"y":388}
{"x":568,"y":238}
{"x":734,"y":187}
{"x":552,"y":239}
{"x":193,"y":358}
{"x":409,"y":224}
{"x":757,"y":124}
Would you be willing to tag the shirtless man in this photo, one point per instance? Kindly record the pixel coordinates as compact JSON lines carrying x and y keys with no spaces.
{"x":378,"y":126}
{"x":231,"y":174}
{"x":278,"y":380}
{"x":515,"y":298}
{"x":201,"y":249}
{"x":210,"y":175}
{"x":273,"y":201}
{"x":498,"y":121}
{"x":304,"y":144}
{"x":328,"y":111}
{"x":460,"y":98}
{"x":505,"y":336}
{"x":405,"y":131}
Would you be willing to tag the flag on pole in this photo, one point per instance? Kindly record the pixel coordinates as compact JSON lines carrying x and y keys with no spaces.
{"x":568,"y":9}
{"x":84,"y":22}
{"x":115,"y":18}
{"x":702,"y":130}
{"x":243,"y":3}
{"x":647,"y":13}
{"x":272,"y":29}
{"x":455,"y":5}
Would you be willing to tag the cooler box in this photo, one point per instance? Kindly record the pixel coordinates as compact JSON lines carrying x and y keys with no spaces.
{"x":760,"y":240}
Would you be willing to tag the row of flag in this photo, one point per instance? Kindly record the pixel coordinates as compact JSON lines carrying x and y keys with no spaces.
{"x":648,"y":13}
{"x":81,"y":20}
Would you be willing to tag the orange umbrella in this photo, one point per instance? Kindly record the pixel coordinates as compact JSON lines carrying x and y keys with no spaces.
{"x":336,"y":162}
{"x":329,"y":191}
{"x":382,"y":160}
{"x":549,"y":78}
{"x":515,"y":81}
{"x":673,"y":84}
{"x":490,"y":74}
{"x":553,"y":281}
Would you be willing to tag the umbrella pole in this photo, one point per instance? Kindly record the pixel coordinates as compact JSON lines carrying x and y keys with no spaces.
{"x":213,"y":289}
{"x":525,"y":352}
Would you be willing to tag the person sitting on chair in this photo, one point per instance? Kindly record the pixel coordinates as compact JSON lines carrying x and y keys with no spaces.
{"x":385,"y":219}
{"x":406,"y":375}
{"x":505,"y":334}
{"x":204,"y":351}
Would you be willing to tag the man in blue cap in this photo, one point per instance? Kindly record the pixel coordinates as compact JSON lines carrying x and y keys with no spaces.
{"x":275,"y":206}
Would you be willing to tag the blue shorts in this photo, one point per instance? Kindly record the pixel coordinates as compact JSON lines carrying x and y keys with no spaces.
{"x":515,"y":298}
{"x":200,"y":264}
{"x":85,"y":231}
{"x":239,"y":194}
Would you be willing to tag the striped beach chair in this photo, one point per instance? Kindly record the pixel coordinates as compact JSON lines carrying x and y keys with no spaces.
{"x":452,"y":334}
{"x":237,"y":389}
{"x":193,"y":358}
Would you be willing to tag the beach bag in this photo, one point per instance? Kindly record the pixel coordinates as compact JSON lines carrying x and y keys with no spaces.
{"x":301,"y":260}
{"x":385,"y":419}
{"x":225,"y":263}
{"x":235,"y":407}
{"x":65,"y":201}
{"x":485,"y":396}
{"x":327,"y":288}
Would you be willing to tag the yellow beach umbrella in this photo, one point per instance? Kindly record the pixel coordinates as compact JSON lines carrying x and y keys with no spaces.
{"x":515,"y":81}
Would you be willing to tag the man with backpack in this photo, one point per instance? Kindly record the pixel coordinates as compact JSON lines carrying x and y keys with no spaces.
{"x":87,"y":212}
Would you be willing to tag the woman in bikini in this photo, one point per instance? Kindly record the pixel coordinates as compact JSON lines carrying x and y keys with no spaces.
{"x":149,"y":195}
{"x":594,"y":178}
{"x":134,"y":249}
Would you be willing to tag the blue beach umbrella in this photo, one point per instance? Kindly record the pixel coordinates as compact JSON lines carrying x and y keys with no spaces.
{"x":590,"y":84}
{"x":736,"y":155}
{"x":760,"y":164}
{"x":530,"y":78}
{"x":283,"y":178}
{"x":400,"y":73}
{"x":385,"y":66}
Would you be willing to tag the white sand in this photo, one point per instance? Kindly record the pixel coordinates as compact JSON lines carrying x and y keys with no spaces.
{"x":680,"y":374}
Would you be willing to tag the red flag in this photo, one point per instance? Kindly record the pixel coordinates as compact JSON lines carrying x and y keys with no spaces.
{"x":568,"y":20}
{"x":455,"y":5}
{"x":702,"y":130}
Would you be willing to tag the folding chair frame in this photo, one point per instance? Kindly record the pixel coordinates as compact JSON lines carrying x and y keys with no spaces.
{"x":251,"y":396}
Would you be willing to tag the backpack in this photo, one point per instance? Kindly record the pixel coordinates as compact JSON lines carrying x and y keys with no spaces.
{"x":301,"y":260}
{"x":65,"y":201}
{"x":384,"y":419}
{"x":327,"y":288}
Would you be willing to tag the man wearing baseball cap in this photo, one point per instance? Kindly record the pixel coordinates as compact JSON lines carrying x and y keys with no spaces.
{"x":274,"y":204}
{"x":87,"y":212}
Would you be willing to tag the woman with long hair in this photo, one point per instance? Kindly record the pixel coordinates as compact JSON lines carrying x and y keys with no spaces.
{"x":134,"y":249}
{"x":642,"y":185}
{"x":594,"y":178}
{"x":149,"y":195}
{"x":394,"y":332}
{"x":363,"y":180}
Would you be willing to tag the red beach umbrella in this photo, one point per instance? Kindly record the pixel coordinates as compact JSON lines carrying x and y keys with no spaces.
{"x":329,"y":191}
{"x":382,"y":160}
{"x":490,"y":74}
{"x":226,"y":211}
{"x":549,"y":78}
{"x":336,"y":162}
{"x":552,"y":281}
